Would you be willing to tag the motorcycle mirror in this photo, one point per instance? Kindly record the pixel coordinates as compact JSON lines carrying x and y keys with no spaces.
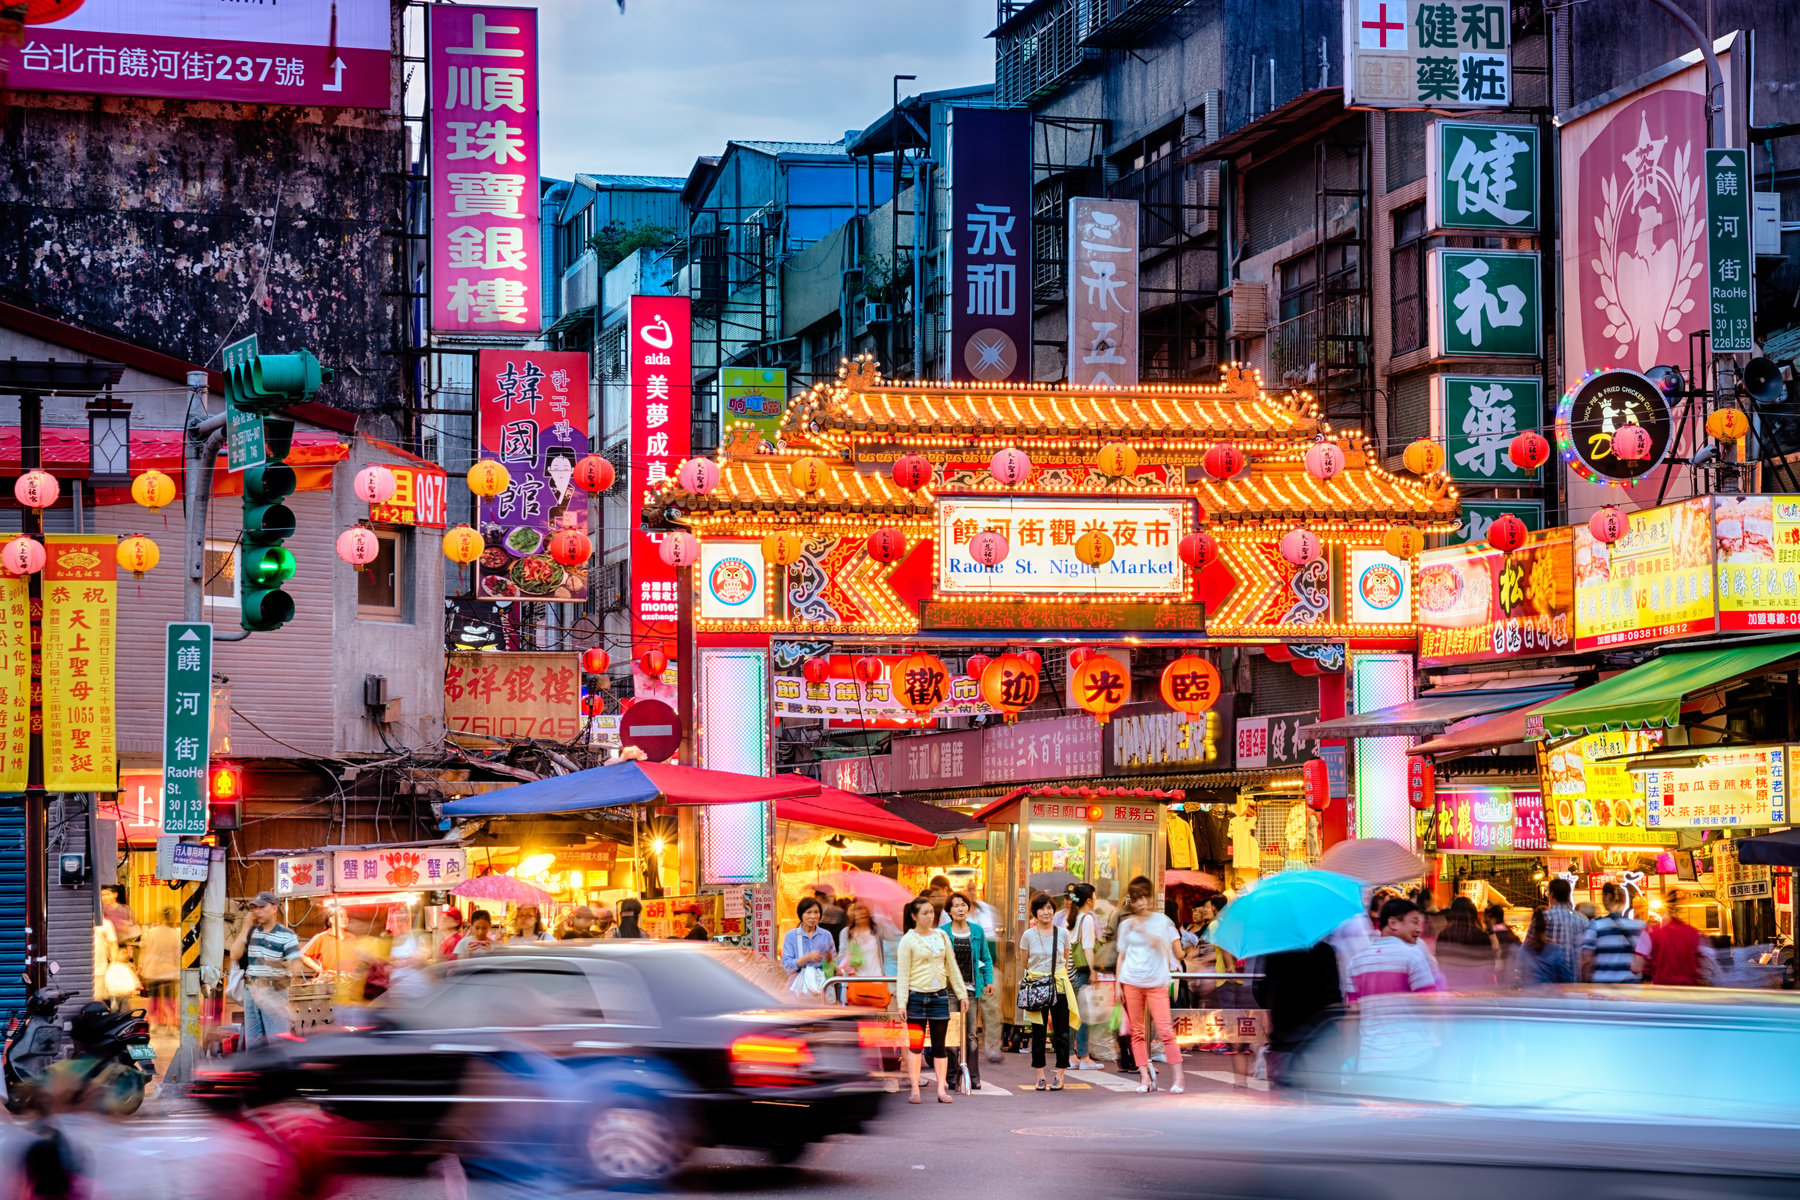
{"x":55,"y":967}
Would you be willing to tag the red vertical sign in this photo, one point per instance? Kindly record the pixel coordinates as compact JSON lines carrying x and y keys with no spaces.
{"x":661,"y":437}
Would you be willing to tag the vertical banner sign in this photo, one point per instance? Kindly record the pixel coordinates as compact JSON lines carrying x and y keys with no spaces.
{"x":1426,"y":54}
{"x":1485,"y":304}
{"x":245,"y":445}
{"x":990,"y":244}
{"x":751,"y":403}
{"x":15,"y":682}
{"x":532,"y":408}
{"x":1728,"y":251}
{"x":79,"y":649}
{"x":661,"y":366}
{"x":1482,"y":415}
{"x":1103,"y":292}
{"x":484,"y":170}
{"x":187,"y":717}
{"x":1483,"y":177}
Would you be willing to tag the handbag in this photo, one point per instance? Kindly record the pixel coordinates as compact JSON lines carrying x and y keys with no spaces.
{"x":868,"y":995}
{"x":1037,"y":993}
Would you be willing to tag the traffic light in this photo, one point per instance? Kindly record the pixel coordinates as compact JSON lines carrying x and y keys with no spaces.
{"x":260,"y":385}
{"x":225,"y":796}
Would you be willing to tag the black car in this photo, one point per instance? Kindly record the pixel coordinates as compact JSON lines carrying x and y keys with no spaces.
{"x":602,"y":1061}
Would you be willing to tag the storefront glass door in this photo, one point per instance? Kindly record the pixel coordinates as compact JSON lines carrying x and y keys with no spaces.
{"x":1060,"y":848}
{"x":1118,"y":859}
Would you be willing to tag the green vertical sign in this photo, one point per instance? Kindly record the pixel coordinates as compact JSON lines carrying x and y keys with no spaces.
{"x":244,"y":445}
{"x":1486,"y":304}
{"x":1482,"y":416}
{"x":755,"y":397}
{"x":1728,"y":250}
{"x":1484,"y":177}
{"x":1478,"y":516}
{"x":187,"y":726}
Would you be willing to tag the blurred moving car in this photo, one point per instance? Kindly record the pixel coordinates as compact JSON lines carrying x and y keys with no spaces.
{"x":602,"y":1062}
{"x":1587,"y":1094}
{"x":192,"y":1156}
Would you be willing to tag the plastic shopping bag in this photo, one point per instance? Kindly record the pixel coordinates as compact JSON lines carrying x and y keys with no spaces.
{"x":808,"y":981}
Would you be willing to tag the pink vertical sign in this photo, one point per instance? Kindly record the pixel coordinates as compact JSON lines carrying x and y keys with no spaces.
{"x":484,"y":170}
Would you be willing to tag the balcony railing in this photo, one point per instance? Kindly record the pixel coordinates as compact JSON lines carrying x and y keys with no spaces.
{"x":1316,"y":344}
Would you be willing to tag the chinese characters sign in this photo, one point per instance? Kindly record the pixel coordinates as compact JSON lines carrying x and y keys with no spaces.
{"x":1103,"y":292}
{"x":15,"y":682}
{"x":1735,"y":788}
{"x":1728,"y":251}
{"x":420,"y":496}
{"x":1483,"y":177}
{"x":1592,"y":797}
{"x":423,"y":869}
{"x":1478,"y":605}
{"x":1041,"y":533}
{"x":990,"y":244}
{"x":1272,"y":741}
{"x":1491,"y":821}
{"x":938,"y":761}
{"x":1420,"y":54}
{"x":1485,"y":304}
{"x":1757,"y":543}
{"x":1653,"y":584}
{"x":485,"y":267}
{"x":1060,"y":748}
{"x":330,"y":53}
{"x":533,"y":411}
{"x":751,"y":403}
{"x":513,"y":695}
{"x":661,"y":364}
{"x":304,"y":875}
{"x":1482,"y":415}
{"x":77,"y":656}
{"x":840,"y":696}
{"x":187,"y":726}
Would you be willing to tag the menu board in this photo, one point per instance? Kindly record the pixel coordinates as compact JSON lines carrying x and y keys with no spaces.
{"x":1736,"y":788}
{"x":1654,"y":583}
{"x":1491,"y":821}
{"x":1757,"y":543}
{"x":1476,"y":604}
{"x":1589,"y":795}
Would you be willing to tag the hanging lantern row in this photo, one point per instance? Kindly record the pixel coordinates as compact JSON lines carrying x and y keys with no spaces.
{"x":1191,"y":685}
{"x":463,"y":545}
{"x":153,"y":489}
{"x":570,"y":547}
{"x":816,"y":670}
{"x":1198,"y":550}
{"x":977,"y":665}
{"x":1300,"y":546}
{"x":1403,"y":541}
{"x":1094,"y":548}
{"x":1507,"y":533}
{"x":1423,"y":457}
{"x":36,"y":490}
{"x":808,"y":475}
{"x":593,"y":474}
{"x":868,"y":668}
{"x":698,"y":476}
{"x":358,"y":546}
{"x":488,"y":478}
{"x":1728,"y":424}
{"x":921,"y":682}
{"x":912,"y":472}
{"x":1119,"y":459}
{"x":1632,"y":443}
{"x":989,"y":548}
{"x":654,"y":662}
{"x":1101,"y":685}
{"x":887,"y":545}
{"x":783,"y":548}
{"x":1010,"y":467}
{"x":1223,"y":461}
{"x":1529,"y":451}
{"x":23,"y":555}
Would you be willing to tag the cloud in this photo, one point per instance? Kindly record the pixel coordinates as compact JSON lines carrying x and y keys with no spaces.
{"x":649,"y":91}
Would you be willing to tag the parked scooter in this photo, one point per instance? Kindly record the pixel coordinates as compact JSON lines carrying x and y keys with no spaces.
{"x":106,"y":1066}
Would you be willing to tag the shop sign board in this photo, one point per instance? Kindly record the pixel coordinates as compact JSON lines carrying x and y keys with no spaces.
{"x":1013,"y":617}
{"x":733,"y":581}
{"x":1041,"y":532}
{"x":303,"y":875}
{"x":752,"y":401}
{"x":1485,"y":304}
{"x":1380,"y":587}
{"x":1491,"y":821}
{"x":1424,"y":54}
{"x":1482,"y":416}
{"x":938,"y":760}
{"x":421,"y":497}
{"x":1737,"y":788}
{"x":514,"y":694}
{"x":1150,"y":741}
{"x":1589,"y":796}
{"x":1653,"y":584}
{"x":1025,"y":751}
{"x":181,"y":862}
{"x":76,"y":659}
{"x":1478,"y":516}
{"x":1591,"y":411}
{"x":1476,"y":604}
{"x":862,"y":774}
{"x":1729,"y":261}
{"x":1756,"y":544}
{"x":187,"y":720}
{"x":1103,"y":292}
{"x":1274,"y":740}
{"x":1484,"y":177}
{"x":15,"y":682}
{"x":1337,"y":769}
{"x":660,"y":360}
{"x":417,"y":869}
{"x":532,"y":410}
{"x":990,"y":244}
{"x":840,"y":696}
{"x":1734,"y":880}
{"x":1095,"y":811}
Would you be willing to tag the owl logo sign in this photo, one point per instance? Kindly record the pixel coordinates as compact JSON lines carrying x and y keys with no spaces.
{"x":1380,"y":587}
{"x":732,"y":581}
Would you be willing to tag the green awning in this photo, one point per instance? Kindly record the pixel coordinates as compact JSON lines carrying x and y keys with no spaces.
{"x":1650,"y":694}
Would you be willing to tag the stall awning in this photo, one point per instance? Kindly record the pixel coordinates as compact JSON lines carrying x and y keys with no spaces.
{"x":1778,"y":849}
{"x":847,"y":812}
{"x":1431,"y":713}
{"x":1485,"y":733}
{"x":618,"y":784}
{"x":1649,"y":695}
{"x":945,"y":822}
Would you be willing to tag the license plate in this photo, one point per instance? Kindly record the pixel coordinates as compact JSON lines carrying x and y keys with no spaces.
{"x":143,"y":1053}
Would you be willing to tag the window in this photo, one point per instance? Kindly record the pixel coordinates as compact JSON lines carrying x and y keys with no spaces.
{"x":381,"y":585}
{"x":1409,"y":279}
{"x":1299,"y":286}
{"x":219,"y":584}
{"x":489,"y":998}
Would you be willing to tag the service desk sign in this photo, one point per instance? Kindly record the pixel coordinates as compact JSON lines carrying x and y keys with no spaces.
{"x":1041,"y":533}
{"x":1653,"y":584}
{"x":1420,"y":54}
{"x":1735,"y":789}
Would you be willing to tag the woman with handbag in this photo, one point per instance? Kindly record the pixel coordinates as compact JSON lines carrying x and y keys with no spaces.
{"x":1046,"y":997}
{"x":1084,"y":943}
{"x":975,"y":959}
{"x":806,"y":950}
{"x":860,"y":953}
{"x":927,"y":975}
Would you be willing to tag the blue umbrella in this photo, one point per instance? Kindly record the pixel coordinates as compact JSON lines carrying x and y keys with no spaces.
{"x":1289,"y":911}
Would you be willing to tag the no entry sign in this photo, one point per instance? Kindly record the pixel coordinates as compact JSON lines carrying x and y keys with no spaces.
{"x":652,"y":727}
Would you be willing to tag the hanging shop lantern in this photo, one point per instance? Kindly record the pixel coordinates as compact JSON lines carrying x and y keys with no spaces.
{"x":1727,"y":424}
{"x":1315,"y":778}
{"x":1423,"y":457}
{"x":488,"y":478}
{"x":680,"y":549}
{"x":868,"y":668}
{"x":571,"y":547}
{"x":1010,"y":684}
{"x":807,"y":475}
{"x":1199,"y":550}
{"x":1529,"y":451}
{"x":989,"y":548}
{"x":1081,"y":654}
{"x":36,"y":490}
{"x":912,"y":471}
{"x":463,"y":545}
{"x":1507,"y":534}
{"x":654,"y":662}
{"x":1010,"y":467}
{"x":23,"y":556}
{"x":153,"y":489}
{"x":374,"y":485}
{"x":1403,"y":541}
{"x":1300,"y":546}
{"x":816,"y":670}
{"x":887,"y":544}
{"x":1324,"y":460}
{"x":1119,"y":459}
{"x":593,"y":704}
{"x":139,"y":554}
{"x":783,"y":548}
{"x":1223,"y":461}
{"x":1632,"y":443}
{"x":977,"y":664}
{"x":921,"y":682}
{"x":358,"y":546}
{"x":594,"y":474}
{"x":1607,"y":525}
{"x":1101,"y":685}
{"x":1095,"y":548}
{"x":698,"y":476}
{"x":594,"y":660}
{"x":1421,"y":783}
{"x":1033,"y":659}
{"x":1190,"y":686}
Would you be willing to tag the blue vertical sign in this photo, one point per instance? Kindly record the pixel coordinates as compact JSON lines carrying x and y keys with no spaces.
{"x":990,"y":245}
{"x":187,"y":726}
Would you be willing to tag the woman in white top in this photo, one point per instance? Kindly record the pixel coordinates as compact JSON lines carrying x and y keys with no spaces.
{"x":1083,"y":937}
{"x":1044,"y":953}
{"x":1148,"y":946}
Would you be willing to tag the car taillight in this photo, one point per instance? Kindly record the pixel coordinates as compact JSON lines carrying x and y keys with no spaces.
{"x":876,"y":1035}
{"x":762,"y":1060}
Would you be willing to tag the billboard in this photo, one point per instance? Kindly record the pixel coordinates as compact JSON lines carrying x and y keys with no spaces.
{"x":1041,"y":532}
{"x":485,"y":264}
{"x":1495,"y":820}
{"x":503,"y":694}
{"x":1734,"y":789}
{"x":751,"y":403}
{"x":1476,"y":604}
{"x":1653,"y":584}
{"x":1418,"y":54}
{"x":1591,"y":798}
{"x":660,"y":360}
{"x":990,"y":244}
{"x":332,"y":53}
{"x":1103,"y":292}
{"x":532,"y":413}
{"x":1756,"y":541}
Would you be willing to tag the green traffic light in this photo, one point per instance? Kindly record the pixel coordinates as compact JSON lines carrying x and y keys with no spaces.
{"x":267,"y":566}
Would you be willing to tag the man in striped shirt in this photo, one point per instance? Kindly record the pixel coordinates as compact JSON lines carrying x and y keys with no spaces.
{"x":1394,"y":964}
{"x":1610,"y":942}
{"x":269,"y":952}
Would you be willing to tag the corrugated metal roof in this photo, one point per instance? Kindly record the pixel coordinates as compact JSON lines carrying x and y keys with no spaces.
{"x":601,"y":183}
{"x":836,"y":147}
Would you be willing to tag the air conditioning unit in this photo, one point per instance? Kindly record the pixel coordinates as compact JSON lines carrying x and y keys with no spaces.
{"x":1249,"y":309}
{"x":874,"y":313}
{"x":1200,"y":199}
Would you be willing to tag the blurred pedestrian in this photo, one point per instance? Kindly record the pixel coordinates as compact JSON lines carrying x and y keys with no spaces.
{"x":1043,"y":953}
{"x":1465,"y":947}
{"x":269,"y":953}
{"x":1084,"y":940}
{"x":480,"y":939}
{"x":579,"y":926}
{"x":1147,"y":960}
{"x":1563,"y":925}
{"x":1674,"y":954}
{"x":1394,"y":964}
{"x":1106,"y":956}
{"x":939,"y":891}
{"x":451,"y":925}
{"x":696,"y":930}
{"x":806,"y":945}
{"x":1296,"y":988}
{"x":528,"y":926}
{"x":860,"y":954}
{"x":1231,"y":993}
{"x":329,"y":950}
{"x":159,"y":967}
{"x":975,"y":960}
{"x":1611,"y":942}
{"x":631,"y":911}
{"x":831,"y":916}
{"x":927,"y":977}
{"x":1541,"y":958}
{"x":605,"y":921}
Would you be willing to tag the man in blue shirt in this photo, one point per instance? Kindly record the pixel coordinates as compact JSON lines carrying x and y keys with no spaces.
{"x":269,"y":952}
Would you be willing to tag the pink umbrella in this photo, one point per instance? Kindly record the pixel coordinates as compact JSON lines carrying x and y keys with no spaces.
{"x":503,"y":888}
{"x":885,"y":897}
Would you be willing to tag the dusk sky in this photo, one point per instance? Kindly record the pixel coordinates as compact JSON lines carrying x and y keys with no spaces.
{"x":649,"y":91}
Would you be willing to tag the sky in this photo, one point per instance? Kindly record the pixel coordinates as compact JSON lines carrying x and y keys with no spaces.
{"x":649,"y":91}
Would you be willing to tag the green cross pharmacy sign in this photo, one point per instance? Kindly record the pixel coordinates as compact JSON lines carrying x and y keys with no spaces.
{"x":1486,"y":304}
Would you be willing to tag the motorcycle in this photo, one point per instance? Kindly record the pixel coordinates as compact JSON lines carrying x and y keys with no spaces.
{"x":108,"y":1064}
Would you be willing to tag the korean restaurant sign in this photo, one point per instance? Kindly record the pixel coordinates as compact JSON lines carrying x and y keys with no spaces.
{"x":1485,"y":304}
{"x":1729,"y":257}
{"x":751,"y":403}
{"x":990,"y":244}
{"x":77,"y":657}
{"x":660,"y":359}
{"x":420,"y":497}
{"x":1041,"y":532}
{"x":304,"y":875}
{"x":1491,"y":821}
{"x":528,"y":694}
{"x":1103,"y":292}
{"x":1484,"y":177}
{"x":840,"y":696}
{"x":1591,"y":799}
{"x":1272,"y":741}
{"x":532,"y":410}
{"x":1423,"y":54}
{"x":417,"y":869}
{"x":1737,"y":788}
{"x":15,"y":682}
{"x":329,"y":53}
{"x":1482,"y":415}
{"x":1476,"y":604}
{"x":486,"y":270}
{"x":1653,"y":584}
{"x":1756,"y":544}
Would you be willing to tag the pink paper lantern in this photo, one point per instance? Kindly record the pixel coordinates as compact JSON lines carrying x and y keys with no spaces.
{"x":1010,"y":467}
{"x":1323,"y":460}
{"x":23,"y":556}
{"x":358,"y":546}
{"x":698,"y":476}
{"x":989,"y":548}
{"x":1631,"y":443}
{"x":680,"y":549}
{"x":1299,"y":546}
{"x":36,"y":489}
{"x":374,"y":485}
{"x":1607,"y":525}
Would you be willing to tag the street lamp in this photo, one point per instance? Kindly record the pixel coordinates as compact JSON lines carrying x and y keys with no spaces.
{"x":109,"y":441}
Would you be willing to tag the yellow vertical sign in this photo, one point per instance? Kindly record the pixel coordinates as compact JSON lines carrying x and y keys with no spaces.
{"x":15,"y":682}
{"x":79,"y":648}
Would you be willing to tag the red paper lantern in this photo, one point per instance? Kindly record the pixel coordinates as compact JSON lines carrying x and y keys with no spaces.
{"x":868,"y":668}
{"x":977,"y":664}
{"x":1529,"y":451}
{"x":1300,"y":546}
{"x":1190,"y":686}
{"x":1199,"y":550}
{"x":989,"y":548}
{"x":593,"y":474}
{"x":1223,"y":461}
{"x":570,"y":547}
{"x":1323,"y":460}
{"x":912,"y":471}
{"x":886,"y":544}
{"x":1507,"y":534}
{"x":679,"y":549}
{"x":1032,"y":658}
{"x":1607,"y":525}
{"x":595,"y":661}
{"x":1010,"y":467}
{"x":1631,"y":443}
{"x":1079,"y":655}
{"x":921,"y":682}
{"x":593,"y":704}
{"x":816,"y":670}
{"x":1101,"y":685}
{"x":654,"y":662}
{"x":1315,"y":777}
{"x":1010,"y":684}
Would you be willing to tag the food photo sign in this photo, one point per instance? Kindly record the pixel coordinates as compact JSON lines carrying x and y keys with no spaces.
{"x":533,"y":417}
{"x":1477,"y":604}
